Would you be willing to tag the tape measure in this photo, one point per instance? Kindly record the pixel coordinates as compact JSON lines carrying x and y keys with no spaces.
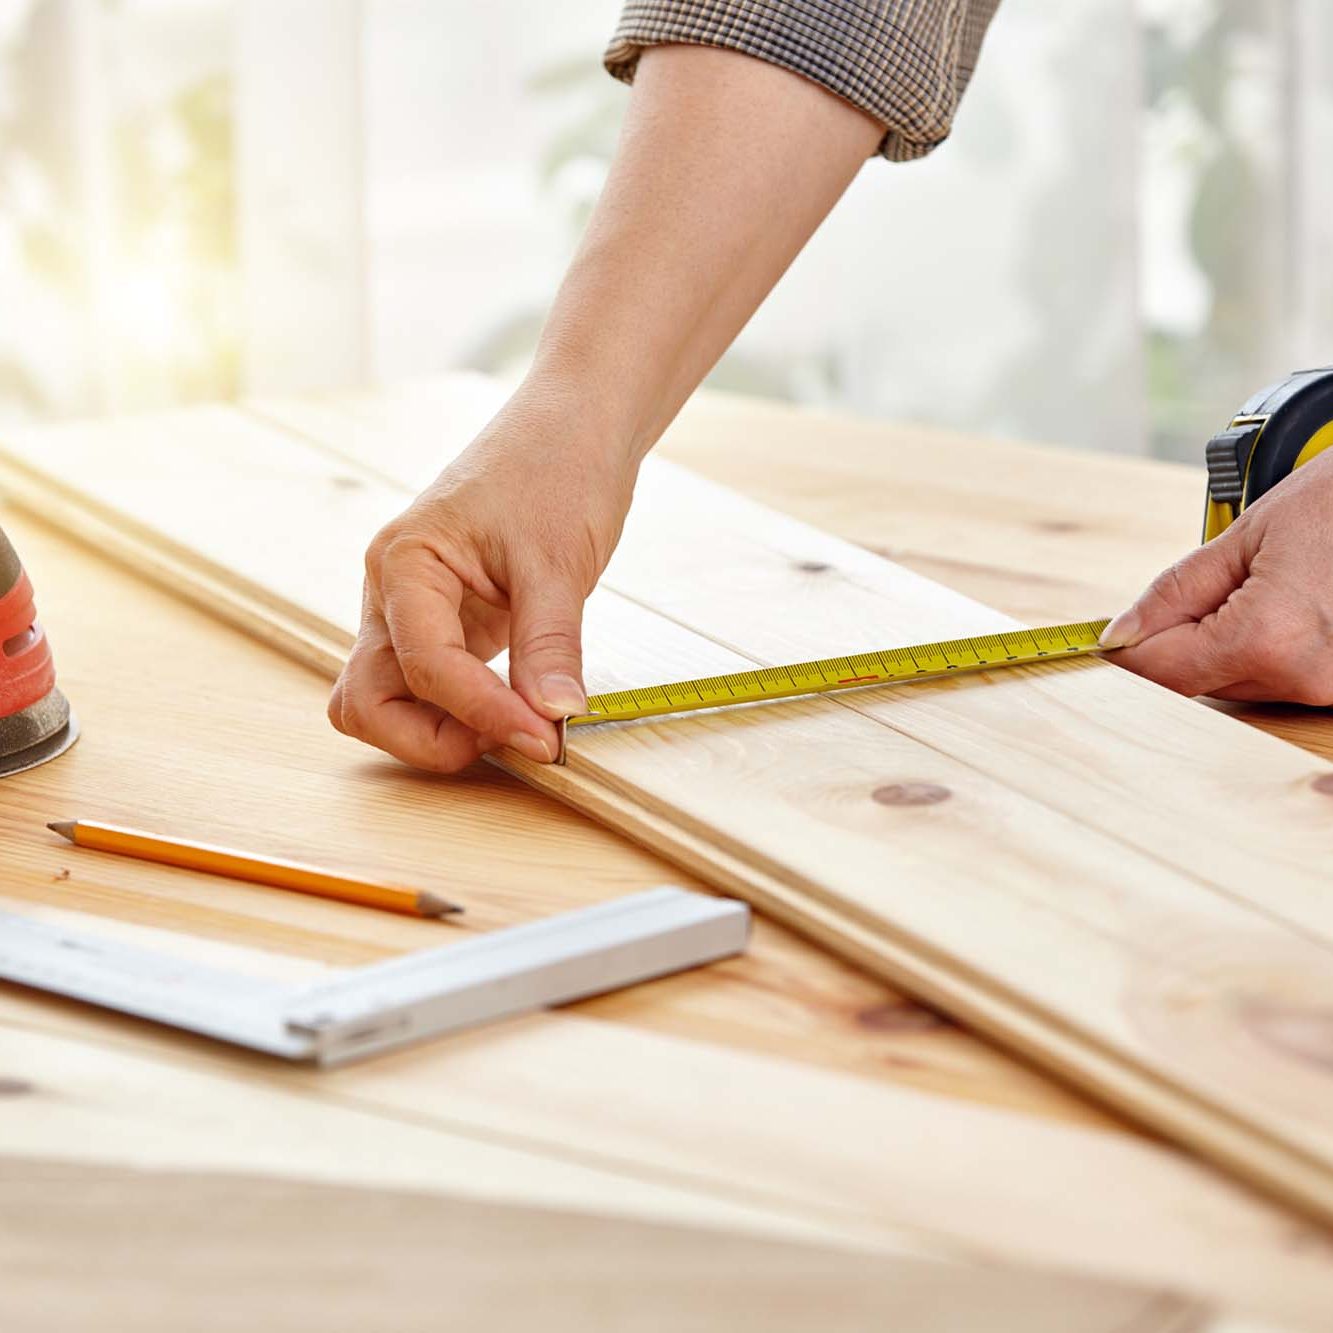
{"x":921,"y":661}
{"x":1281,"y":428}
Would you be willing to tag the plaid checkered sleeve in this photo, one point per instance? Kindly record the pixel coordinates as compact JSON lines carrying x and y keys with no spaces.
{"x":906,"y":62}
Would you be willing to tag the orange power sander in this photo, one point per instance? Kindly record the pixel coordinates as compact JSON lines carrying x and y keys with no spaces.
{"x":35,"y":720}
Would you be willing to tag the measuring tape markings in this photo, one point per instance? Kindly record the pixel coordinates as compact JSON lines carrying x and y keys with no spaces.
{"x":828,"y":675}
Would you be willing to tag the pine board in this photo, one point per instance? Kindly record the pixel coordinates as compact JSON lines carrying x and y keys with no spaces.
{"x":833,"y":597}
{"x":1165,"y":785}
{"x":1177,"y":995}
{"x":576,"y":1115}
{"x":994,"y":518}
{"x":237,"y":747}
{"x":248,"y":1252}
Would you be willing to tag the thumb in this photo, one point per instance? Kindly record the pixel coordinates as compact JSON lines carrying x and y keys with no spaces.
{"x":545,"y":647}
{"x":1184,"y":594}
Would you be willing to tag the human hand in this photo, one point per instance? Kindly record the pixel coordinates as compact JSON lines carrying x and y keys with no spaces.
{"x":1249,"y":616}
{"x":501,"y":550}
{"x":726,"y":166}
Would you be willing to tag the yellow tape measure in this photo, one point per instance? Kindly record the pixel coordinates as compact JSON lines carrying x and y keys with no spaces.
{"x":1021,"y":647}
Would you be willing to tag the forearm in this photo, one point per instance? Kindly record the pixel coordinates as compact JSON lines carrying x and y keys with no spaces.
{"x":725,"y":168}
{"x":727,"y":164}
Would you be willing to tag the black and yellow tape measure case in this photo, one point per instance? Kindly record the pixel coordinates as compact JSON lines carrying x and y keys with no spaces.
{"x":1278,"y":430}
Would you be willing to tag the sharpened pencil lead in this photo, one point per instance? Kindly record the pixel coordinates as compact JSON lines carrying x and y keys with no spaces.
{"x":65,"y":827}
{"x":430,"y":904}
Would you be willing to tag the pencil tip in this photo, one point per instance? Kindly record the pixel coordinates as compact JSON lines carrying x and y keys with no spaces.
{"x":65,"y":827}
{"x":430,"y":904}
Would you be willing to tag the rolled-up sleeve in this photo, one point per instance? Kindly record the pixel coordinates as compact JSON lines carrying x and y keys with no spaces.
{"x":905,"y":62}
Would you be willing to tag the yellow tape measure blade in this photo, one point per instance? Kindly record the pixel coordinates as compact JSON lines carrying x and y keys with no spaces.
{"x":922,"y":661}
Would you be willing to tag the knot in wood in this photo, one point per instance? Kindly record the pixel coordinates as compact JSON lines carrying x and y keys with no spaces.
{"x":910,"y":793}
{"x":904,"y":1016}
{"x":1302,"y":1032}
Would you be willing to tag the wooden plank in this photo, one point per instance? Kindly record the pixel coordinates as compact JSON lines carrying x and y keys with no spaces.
{"x":995,"y":519}
{"x":176,"y":708}
{"x":352,"y":1258}
{"x":1231,"y":1080}
{"x":283,"y":752}
{"x":107,"y":1097}
{"x":1129,"y":988}
{"x":192,"y":727}
{"x":830,"y":596}
{"x":186,"y":578}
{"x":571,"y":1113}
{"x":991,"y":518}
{"x":1001,"y":520}
{"x":1109,"y":518}
{"x":833,"y":600}
{"x":1109,"y":749}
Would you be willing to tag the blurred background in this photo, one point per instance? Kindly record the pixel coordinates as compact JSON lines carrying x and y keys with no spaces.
{"x":1130,"y":230}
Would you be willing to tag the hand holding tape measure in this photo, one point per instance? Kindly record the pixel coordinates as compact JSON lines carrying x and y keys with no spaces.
{"x":1249,"y":615}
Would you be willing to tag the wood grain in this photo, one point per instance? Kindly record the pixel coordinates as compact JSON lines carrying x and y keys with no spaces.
{"x":1152,"y":787}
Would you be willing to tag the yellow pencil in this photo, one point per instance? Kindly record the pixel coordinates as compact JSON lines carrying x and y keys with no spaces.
{"x":271,"y":871}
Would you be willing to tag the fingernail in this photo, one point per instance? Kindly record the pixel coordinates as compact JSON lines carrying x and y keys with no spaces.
{"x":562,"y":694}
{"x":530,"y":747}
{"x":1123,"y":632}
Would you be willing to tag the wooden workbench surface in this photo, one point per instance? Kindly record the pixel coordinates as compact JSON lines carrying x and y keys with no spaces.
{"x":191,"y":727}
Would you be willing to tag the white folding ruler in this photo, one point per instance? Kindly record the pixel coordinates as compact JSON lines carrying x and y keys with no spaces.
{"x":362,"y":1011}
